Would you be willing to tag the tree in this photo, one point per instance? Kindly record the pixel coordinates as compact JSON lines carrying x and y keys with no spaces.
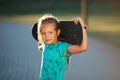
{"x":84,"y":10}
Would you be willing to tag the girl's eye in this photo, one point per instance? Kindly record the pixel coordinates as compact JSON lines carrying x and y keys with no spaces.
{"x":50,"y":32}
{"x":42,"y":33}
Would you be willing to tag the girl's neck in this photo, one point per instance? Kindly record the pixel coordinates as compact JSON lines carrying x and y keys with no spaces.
{"x":53,"y":43}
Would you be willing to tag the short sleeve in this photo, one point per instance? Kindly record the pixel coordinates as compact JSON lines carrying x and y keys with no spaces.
{"x":63,"y":49}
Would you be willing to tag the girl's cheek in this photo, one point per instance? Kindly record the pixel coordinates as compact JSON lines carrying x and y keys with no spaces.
{"x":43,"y":37}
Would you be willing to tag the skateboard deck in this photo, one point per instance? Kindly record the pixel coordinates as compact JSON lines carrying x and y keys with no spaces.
{"x":70,"y":32}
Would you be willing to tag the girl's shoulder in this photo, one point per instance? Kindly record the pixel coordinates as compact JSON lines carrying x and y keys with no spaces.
{"x":64,"y":43}
{"x":64,"y":48}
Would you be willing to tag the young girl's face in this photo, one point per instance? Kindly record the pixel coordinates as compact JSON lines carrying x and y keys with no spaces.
{"x":49,"y":33}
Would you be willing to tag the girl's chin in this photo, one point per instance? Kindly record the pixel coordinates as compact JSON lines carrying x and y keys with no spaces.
{"x":49,"y":42}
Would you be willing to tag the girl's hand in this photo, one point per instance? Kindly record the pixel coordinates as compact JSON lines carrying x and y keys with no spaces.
{"x":78,"y":19}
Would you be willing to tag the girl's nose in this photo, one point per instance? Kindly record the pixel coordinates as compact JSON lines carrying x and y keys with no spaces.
{"x":47,"y":35}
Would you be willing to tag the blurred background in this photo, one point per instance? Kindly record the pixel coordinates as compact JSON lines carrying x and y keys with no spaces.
{"x":19,"y":55}
{"x":102,"y":16}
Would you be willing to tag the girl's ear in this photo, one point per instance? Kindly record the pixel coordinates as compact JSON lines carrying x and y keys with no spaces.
{"x":58,"y":32}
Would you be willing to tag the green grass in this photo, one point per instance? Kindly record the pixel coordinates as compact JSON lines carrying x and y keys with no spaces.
{"x":106,"y":28}
{"x":30,"y":19}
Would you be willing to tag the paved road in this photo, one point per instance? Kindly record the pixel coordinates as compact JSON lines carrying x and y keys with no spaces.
{"x":20,"y":58}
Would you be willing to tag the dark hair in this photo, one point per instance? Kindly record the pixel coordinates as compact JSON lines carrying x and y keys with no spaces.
{"x":47,"y":18}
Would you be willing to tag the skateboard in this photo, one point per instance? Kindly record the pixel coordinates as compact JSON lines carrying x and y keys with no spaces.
{"x":70,"y":32}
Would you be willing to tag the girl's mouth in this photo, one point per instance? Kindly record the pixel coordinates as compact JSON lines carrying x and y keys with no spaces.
{"x":47,"y":40}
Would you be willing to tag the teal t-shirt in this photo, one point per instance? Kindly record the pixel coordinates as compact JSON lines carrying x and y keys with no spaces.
{"x":54,"y":62}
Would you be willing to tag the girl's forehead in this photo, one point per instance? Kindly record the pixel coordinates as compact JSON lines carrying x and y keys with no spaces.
{"x":50,"y":26}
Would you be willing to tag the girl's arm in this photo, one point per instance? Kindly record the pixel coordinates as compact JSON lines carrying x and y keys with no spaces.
{"x":73,"y":49}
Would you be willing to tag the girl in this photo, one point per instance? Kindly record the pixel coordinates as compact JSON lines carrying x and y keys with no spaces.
{"x":55,"y":53}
